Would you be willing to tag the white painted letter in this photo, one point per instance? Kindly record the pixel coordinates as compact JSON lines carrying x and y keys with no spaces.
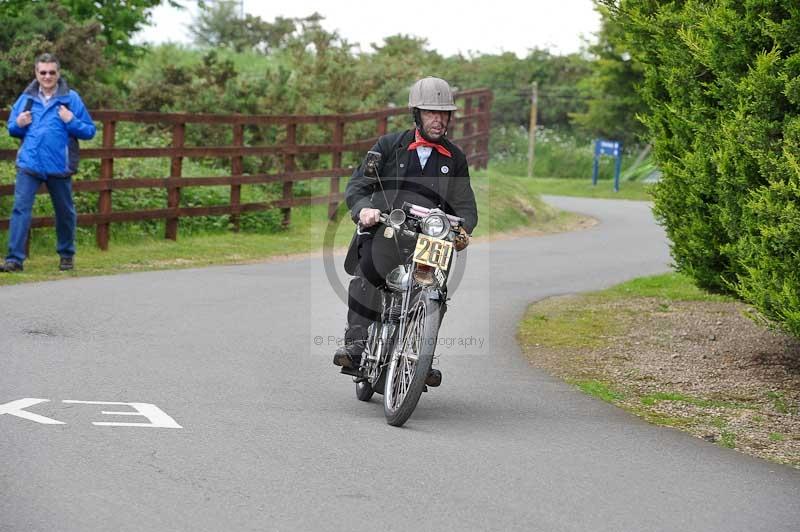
{"x":15,"y":408}
{"x":157,"y":417}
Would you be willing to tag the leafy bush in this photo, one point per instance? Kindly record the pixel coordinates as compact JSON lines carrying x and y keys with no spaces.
{"x":28,"y":29}
{"x":769,"y":253}
{"x":612,"y":102}
{"x":722,"y":81}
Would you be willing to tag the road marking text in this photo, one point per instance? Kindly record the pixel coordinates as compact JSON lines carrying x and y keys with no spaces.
{"x":157,"y":418}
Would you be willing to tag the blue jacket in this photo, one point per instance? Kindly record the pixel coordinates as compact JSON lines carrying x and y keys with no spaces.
{"x":50,"y":146}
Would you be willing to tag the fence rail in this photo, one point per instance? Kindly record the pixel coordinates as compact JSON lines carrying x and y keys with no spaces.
{"x":471,"y":133}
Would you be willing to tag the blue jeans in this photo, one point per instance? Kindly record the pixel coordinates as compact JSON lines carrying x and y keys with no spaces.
{"x":24,"y":194}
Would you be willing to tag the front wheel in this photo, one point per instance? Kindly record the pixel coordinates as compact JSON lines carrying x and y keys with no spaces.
{"x":411,"y":361}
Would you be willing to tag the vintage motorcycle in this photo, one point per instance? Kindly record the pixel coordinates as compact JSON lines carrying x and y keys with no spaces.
{"x":400,"y":347}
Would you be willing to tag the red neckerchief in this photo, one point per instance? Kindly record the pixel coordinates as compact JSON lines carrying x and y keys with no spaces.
{"x":419,"y":141}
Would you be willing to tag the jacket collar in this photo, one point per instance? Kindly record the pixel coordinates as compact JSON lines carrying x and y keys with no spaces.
{"x":62,"y":89}
{"x":403,"y":157}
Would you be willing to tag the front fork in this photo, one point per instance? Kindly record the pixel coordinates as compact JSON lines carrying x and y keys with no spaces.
{"x":377,"y":357}
{"x":378,"y":347}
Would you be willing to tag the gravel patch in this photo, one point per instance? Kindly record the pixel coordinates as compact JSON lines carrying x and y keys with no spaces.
{"x":702,"y":367}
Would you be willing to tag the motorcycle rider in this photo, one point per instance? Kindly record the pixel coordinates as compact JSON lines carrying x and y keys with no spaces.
{"x":419,"y":166}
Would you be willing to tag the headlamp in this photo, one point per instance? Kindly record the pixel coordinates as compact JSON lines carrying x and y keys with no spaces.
{"x":435,"y":225}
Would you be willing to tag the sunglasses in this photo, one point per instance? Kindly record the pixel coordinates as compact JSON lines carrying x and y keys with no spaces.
{"x":48,"y":72}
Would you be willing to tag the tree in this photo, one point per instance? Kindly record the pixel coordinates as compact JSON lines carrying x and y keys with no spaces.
{"x":613,"y":102}
{"x":722,"y":84}
{"x":218,"y":24}
{"x":91,"y":38}
{"x":510,"y":79}
{"x":36,"y":27}
{"x":386,"y":74}
{"x":118,"y":20}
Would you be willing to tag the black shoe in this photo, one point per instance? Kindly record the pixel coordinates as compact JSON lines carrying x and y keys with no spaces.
{"x":349,"y":356}
{"x":11,"y":266}
{"x":66,"y":263}
{"x":434,"y":378}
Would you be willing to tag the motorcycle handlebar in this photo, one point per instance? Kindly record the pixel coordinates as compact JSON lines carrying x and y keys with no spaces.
{"x":421,"y":212}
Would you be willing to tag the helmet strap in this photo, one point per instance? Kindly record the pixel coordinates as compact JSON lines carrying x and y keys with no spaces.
{"x":418,"y":122}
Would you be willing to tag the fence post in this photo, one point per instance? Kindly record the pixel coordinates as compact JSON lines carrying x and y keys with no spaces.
{"x":484,"y":105}
{"x":174,"y":191}
{"x":289,"y":166}
{"x":469,"y":127}
{"x":532,"y":128}
{"x":236,"y":170}
{"x":103,"y":230}
{"x":383,"y":125}
{"x":338,"y":140}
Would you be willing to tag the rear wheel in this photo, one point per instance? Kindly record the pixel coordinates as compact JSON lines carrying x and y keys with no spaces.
{"x":411,"y":361}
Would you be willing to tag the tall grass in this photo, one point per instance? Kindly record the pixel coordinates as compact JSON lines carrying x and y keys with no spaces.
{"x":557,"y":154}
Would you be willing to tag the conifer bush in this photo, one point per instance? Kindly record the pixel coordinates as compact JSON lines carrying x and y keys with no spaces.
{"x":722,"y":84}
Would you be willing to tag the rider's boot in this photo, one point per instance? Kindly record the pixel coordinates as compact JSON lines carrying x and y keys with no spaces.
{"x":349,"y":355}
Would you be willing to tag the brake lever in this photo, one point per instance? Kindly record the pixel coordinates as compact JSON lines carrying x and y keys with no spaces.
{"x":360,"y":228}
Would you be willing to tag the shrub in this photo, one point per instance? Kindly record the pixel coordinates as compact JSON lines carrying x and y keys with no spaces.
{"x":722,"y":83}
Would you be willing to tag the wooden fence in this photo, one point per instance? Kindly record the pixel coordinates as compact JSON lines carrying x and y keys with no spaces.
{"x":471,"y":133}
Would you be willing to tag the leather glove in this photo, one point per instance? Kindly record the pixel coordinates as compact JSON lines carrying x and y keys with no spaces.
{"x":461,"y":240}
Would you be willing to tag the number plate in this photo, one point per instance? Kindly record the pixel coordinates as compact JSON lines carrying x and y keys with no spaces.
{"x":433,"y":252}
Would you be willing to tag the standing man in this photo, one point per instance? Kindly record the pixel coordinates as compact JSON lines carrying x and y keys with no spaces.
{"x":49,"y":117}
{"x":419,"y":166}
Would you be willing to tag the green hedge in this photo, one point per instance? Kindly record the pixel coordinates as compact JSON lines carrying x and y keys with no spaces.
{"x":722,"y":82}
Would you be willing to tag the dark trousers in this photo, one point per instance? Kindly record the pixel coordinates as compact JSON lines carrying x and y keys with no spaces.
{"x":377,"y":257}
{"x":24,"y":195}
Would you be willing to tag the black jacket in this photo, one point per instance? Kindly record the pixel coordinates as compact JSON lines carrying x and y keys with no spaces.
{"x":455,"y":192}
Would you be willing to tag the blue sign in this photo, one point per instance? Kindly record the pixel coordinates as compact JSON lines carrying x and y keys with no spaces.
{"x":607,"y":147}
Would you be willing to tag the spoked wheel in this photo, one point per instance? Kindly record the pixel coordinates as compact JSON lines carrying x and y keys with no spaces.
{"x":411,"y":361}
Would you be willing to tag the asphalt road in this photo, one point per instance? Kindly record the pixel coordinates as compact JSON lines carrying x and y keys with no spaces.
{"x":238,"y":421}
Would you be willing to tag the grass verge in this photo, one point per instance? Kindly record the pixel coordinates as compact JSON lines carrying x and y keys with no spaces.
{"x":678,"y":357}
{"x":630,"y":190}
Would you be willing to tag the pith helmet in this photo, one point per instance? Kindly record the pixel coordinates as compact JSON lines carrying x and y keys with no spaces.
{"x":431,"y":94}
